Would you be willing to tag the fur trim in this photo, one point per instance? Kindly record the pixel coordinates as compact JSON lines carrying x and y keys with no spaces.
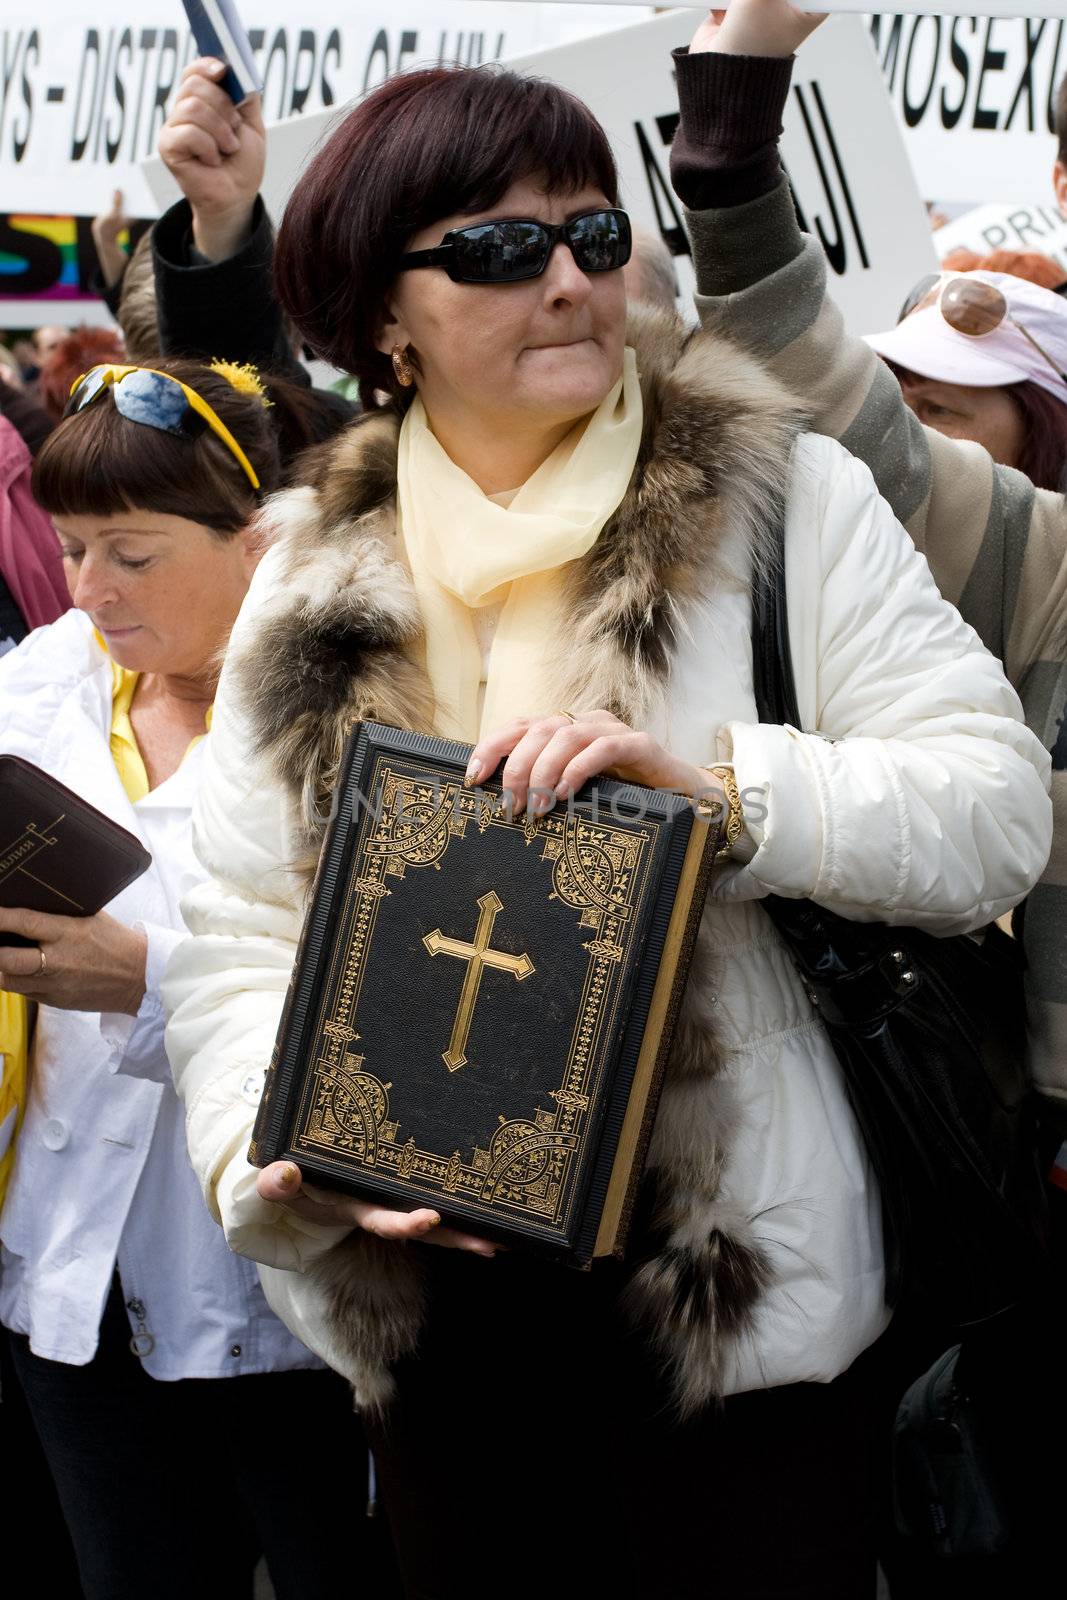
{"x":375,"y":1304}
{"x":342,"y":642}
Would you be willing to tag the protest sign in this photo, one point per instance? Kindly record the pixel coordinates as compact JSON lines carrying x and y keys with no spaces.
{"x":987,"y":228}
{"x":47,"y":266}
{"x":945,"y":8}
{"x":952,"y":8}
{"x":976,"y":99}
{"x":842,"y":147}
{"x":85,"y":91}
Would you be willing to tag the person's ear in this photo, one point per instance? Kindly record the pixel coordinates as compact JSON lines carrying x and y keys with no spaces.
{"x":1059,"y":184}
{"x":392,"y":331}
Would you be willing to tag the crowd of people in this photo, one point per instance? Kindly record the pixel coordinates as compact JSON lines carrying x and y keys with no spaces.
{"x":543,"y":482}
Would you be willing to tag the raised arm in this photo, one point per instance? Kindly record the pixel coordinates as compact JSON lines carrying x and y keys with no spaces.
{"x":212,"y":251}
{"x":763,"y":282}
{"x":996,"y":546}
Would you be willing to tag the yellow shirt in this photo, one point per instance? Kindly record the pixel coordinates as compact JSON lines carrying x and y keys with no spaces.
{"x":125,"y":750}
{"x":14,"y":1033}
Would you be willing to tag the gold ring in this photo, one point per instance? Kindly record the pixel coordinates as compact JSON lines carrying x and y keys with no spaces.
{"x":568,"y":714}
{"x":41,"y":968}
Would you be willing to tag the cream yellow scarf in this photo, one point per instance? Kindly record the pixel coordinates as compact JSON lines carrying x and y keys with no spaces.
{"x":466,"y":551}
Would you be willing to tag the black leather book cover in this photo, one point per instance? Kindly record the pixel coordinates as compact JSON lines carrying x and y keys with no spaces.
{"x":482,"y":1005}
{"x":58,"y":853}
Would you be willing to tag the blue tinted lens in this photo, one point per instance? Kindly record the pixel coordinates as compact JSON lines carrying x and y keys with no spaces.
{"x":86,"y":391}
{"x":155,"y":400}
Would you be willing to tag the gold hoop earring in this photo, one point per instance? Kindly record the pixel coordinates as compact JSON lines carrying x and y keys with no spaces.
{"x":405,"y":372}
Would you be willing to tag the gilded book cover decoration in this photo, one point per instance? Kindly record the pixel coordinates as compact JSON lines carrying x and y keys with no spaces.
{"x":481,"y":1005}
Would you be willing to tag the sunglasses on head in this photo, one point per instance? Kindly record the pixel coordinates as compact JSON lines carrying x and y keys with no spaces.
{"x":970,"y":306}
{"x":159,"y":401}
{"x":513,"y":249}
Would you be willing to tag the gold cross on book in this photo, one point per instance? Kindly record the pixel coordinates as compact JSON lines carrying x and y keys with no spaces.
{"x":478,"y":955}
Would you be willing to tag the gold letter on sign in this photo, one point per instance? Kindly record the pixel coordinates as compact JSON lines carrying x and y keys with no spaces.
{"x":477,"y":955}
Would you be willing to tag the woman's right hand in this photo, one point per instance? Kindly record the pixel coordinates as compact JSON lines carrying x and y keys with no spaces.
{"x":768,"y":28}
{"x":283,"y":1184}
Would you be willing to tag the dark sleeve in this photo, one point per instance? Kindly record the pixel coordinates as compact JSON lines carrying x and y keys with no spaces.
{"x":109,"y":293}
{"x":725,"y":151}
{"x":226,"y":310}
{"x":28,"y":419}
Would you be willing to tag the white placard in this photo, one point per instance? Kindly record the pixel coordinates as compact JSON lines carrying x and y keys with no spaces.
{"x":84,"y":89}
{"x":843,"y":149}
{"x":976,"y":101}
{"x":953,"y":8}
{"x":988,"y":228}
{"x":944,"y":8}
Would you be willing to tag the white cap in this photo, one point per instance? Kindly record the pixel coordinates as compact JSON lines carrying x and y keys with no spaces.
{"x":925,"y":344}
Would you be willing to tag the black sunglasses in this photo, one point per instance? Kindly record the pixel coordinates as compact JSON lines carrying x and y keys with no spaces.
{"x":509,"y":251}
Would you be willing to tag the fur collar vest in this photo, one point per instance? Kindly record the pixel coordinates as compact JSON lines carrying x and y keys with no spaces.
{"x":340,"y":643}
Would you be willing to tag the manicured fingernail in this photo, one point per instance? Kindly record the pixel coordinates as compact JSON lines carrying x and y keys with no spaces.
{"x":215,"y":67}
{"x":563,"y":791}
{"x":473,"y":772}
{"x":541,"y":803}
{"x":288,"y":1176}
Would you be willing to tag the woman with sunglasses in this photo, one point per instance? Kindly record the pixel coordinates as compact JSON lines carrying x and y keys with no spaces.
{"x":541,"y":544}
{"x":981,"y":356}
{"x":146,"y":1351}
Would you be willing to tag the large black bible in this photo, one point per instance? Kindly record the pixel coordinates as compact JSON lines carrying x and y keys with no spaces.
{"x":482,"y":1005}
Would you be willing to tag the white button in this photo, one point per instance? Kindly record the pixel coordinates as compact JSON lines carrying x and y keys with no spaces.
{"x":252,"y":1088}
{"x":56,"y":1134}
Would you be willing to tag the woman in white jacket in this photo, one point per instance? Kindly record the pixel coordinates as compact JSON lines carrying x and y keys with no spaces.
{"x":555,"y":510}
{"x":137,"y":1336}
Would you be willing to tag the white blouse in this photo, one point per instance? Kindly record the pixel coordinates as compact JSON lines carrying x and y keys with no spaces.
{"x":102,"y":1176}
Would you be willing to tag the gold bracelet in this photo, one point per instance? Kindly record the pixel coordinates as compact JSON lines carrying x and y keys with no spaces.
{"x":733,"y":824}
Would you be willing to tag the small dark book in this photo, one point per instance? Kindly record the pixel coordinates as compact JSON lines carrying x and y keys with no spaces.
{"x":58,"y":853}
{"x":482,"y":1005}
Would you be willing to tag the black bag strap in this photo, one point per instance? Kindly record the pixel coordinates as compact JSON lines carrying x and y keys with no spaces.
{"x":772,"y":660}
{"x":855,"y":973}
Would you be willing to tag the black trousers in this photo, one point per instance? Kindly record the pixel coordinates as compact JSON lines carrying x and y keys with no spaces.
{"x":1018,"y":1380}
{"x":532,"y":1449}
{"x":29,"y":1495}
{"x":175,"y":1489}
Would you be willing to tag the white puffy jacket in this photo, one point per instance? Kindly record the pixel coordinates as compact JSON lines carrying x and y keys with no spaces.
{"x":921,"y":800}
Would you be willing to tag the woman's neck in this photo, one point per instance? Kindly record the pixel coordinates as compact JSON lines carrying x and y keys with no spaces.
{"x":497,"y":457}
{"x":196,"y":693}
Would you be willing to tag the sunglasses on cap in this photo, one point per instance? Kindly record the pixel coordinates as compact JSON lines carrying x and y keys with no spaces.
{"x":969,"y":306}
{"x":159,"y":401}
{"x":511,"y":250}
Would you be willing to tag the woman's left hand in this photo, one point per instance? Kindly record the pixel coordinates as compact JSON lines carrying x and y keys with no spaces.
{"x":769,"y":28}
{"x":90,"y":963}
{"x":549,"y":758}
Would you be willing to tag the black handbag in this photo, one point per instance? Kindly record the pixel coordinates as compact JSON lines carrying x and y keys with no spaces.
{"x":930,"y":1034}
{"x":949,"y":1474}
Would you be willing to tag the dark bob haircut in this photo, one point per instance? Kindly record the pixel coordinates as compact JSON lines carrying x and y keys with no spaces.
{"x":98,"y":463}
{"x":437,"y":143}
